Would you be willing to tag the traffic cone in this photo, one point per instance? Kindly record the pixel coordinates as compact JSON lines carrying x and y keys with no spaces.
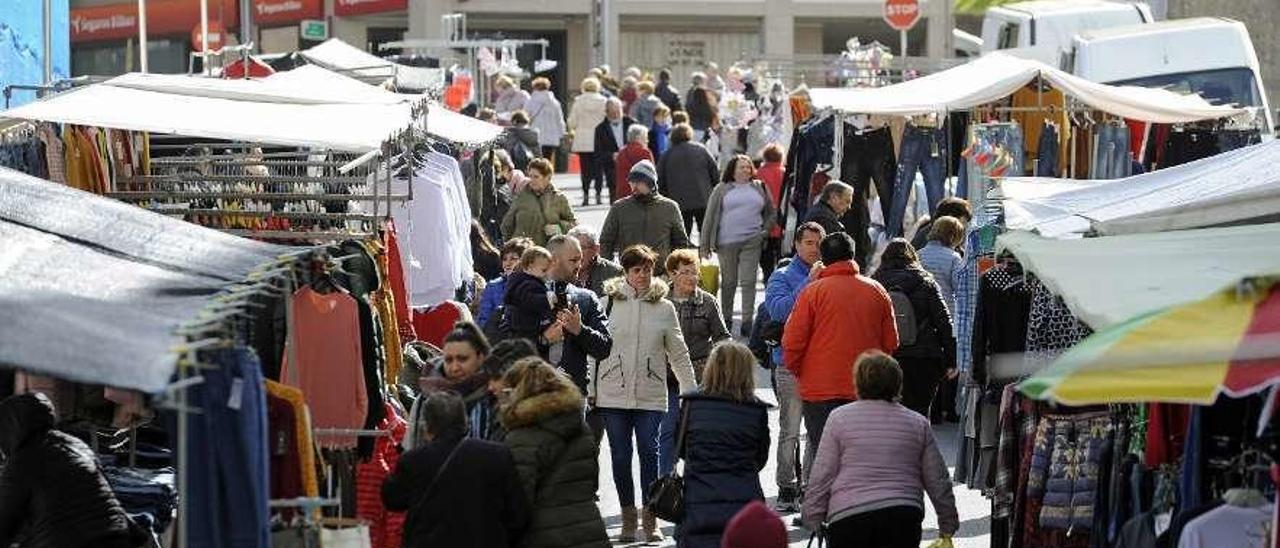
{"x":573,"y":164}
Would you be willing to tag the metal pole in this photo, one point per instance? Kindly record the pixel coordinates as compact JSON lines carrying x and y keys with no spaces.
{"x":204,"y":36}
{"x":142,"y":35}
{"x":246,"y":23}
{"x":48,"y":42}
{"x":902,"y":34}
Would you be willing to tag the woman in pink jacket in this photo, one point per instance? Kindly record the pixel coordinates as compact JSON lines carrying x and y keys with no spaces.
{"x":875,"y":461}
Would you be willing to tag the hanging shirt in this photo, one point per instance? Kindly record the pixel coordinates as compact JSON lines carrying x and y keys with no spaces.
{"x":1229,"y":525}
{"x":330,"y":368}
{"x":434,"y":230}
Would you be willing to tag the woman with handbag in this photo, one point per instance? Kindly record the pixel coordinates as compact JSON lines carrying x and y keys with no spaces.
{"x":458,"y":492}
{"x":555,"y":454}
{"x":725,"y":431}
{"x":629,"y":388}
{"x":874,"y":463}
{"x":740,"y":215}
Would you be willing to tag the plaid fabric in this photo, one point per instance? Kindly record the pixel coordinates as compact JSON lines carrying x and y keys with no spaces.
{"x":966,"y":303}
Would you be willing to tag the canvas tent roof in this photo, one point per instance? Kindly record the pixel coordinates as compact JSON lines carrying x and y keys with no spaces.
{"x":995,"y":76}
{"x":1236,"y":186}
{"x":334,"y":54}
{"x":280,"y":112}
{"x":1105,"y":281}
{"x":93,"y":289}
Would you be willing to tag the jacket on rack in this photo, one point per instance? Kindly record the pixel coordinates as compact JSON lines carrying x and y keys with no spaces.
{"x":555,"y":454}
{"x":934,"y":337}
{"x":654,"y":221}
{"x":709,"y":235}
{"x":648,"y":340}
{"x":52,"y":493}
{"x":532,"y":212}
{"x":726,"y":446}
{"x":386,"y":529}
{"x":547,"y":116}
{"x":477,"y":501}
{"x":686,"y":173}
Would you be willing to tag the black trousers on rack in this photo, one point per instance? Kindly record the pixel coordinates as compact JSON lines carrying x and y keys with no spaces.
{"x":866,"y":157}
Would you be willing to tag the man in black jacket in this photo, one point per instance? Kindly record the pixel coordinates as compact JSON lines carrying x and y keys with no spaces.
{"x":837,"y":198}
{"x":52,"y":494}
{"x":611,"y":136}
{"x":666,"y":93}
{"x":461,"y":493}
{"x":583,"y":327}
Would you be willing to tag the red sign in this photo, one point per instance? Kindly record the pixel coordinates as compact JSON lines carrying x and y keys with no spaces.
{"x":271,"y":12}
{"x":901,"y":14}
{"x":164,"y":18}
{"x":217,"y":37}
{"x":361,"y":7}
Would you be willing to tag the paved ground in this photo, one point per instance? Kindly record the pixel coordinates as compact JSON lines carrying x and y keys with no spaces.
{"x":974,"y":508}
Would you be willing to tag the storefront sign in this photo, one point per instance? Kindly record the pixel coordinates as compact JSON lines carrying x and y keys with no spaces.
{"x":360,"y":7}
{"x":687,"y":52}
{"x":315,"y":30}
{"x":164,"y":18}
{"x":272,"y":12}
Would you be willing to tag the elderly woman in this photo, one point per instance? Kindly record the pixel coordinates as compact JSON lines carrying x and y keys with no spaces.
{"x":703,"y":326}
{"x":540,"y":211}
{"x":637,"y":149}
{"x":740,"y":214}
{"x":875,"y":461}
{"x":510,"y":98}
{"x":629,"y":388}
{"x":586,"y":113}
{"x":547,"y":116}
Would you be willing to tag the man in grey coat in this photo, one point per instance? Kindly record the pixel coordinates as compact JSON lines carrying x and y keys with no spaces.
{"x":644,"y":217}
{"x":688,"y":171}
{"x":595,"y":268}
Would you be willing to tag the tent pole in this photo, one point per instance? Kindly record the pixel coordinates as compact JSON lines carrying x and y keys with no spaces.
{"x":142,"y":35}
{"x":204,"y":39}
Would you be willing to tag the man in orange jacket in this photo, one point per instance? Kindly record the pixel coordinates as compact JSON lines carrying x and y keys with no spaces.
{"x":837,"y":317}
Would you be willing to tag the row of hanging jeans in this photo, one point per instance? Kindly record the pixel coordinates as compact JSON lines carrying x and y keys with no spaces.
{"x":866,"y":156}
{"x":923,"y":149}
{"x":1111,"y":156}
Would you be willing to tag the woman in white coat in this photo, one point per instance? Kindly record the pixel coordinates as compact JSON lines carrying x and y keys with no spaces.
{"x":586,"y":113}
{"x":628,"y":390}
{"x":547,"y":116}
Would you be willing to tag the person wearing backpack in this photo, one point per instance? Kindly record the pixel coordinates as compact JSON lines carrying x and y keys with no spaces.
{"x":926,"y":346}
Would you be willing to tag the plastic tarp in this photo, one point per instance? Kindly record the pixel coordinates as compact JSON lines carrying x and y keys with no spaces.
{"x":1232,"y":187}
{"x":274,"y":111}
{"x":1106,"y":281}
{"x":92,"y":290}
{"x":995,"y":76}
{"x":340,"y":56}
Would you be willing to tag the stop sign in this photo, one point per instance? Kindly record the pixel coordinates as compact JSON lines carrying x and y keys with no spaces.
{"x":901,"y":14}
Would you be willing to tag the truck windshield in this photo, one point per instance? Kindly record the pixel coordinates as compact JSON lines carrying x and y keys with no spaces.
{"x":1218,"y":87}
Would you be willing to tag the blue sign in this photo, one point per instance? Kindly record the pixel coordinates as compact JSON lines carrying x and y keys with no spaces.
{"x":22,"y":52}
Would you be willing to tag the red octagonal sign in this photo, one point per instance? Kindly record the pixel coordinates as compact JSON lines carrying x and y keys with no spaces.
{"x":901,"y":14}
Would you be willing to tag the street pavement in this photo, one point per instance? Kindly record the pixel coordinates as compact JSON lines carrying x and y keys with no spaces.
{"x":975,"y":530}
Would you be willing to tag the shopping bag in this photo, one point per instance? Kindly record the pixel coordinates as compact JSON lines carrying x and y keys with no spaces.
{"x":709,"y":277}
{"x":345,"y":533}
{"x":942,"y":542}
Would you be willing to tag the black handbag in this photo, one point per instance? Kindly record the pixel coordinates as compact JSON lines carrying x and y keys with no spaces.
{"x":665,"y":498}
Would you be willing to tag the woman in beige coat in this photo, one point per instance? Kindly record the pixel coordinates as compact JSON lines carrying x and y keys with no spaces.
{"x":629,"y":388}
{"x":586,"y":113}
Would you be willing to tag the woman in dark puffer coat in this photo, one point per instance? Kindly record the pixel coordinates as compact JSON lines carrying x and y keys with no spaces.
{"x":52,"y":494}
{"x":934,"y":353}
{"x":726,"y":446}
{"x":555,"y":454}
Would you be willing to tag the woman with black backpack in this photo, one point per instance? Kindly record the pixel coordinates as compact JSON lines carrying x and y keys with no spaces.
{"x":927,"y":347}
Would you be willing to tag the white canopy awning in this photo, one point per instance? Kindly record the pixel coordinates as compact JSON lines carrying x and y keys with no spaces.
{"x":1236,"y":186}
{"x":1105,"y":281}
{"x":289,"y":111}
{"x":995,"y":76}
{"x":337,"y":55}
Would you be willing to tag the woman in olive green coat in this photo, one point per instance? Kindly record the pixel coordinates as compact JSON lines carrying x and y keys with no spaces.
{"x":539,"y":211}
{"x":555,"y":454}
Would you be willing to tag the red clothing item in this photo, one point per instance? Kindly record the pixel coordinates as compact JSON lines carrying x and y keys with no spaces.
{"x":330,"y":368}
{"x":771,"y":174}
{"x":836,"y":318}
{"x":385,"y":528}
{"x":399,"y":291}
{"x":1166,"y":433}
{"x":816,"y":184}
{"x":432,"y":324}
{"x":628,"y":157}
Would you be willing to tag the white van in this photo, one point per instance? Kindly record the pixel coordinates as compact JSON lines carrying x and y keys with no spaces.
{"x":1043,"y":29}
{"x":1211,"y":56}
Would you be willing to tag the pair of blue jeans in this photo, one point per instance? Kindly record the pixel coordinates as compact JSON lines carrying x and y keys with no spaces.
{"x":667,"y":431}
{"x":1111,"y":160}
{"x":623,"y":426}
{"x":1047,"y":160}
{"x":924,"y":149}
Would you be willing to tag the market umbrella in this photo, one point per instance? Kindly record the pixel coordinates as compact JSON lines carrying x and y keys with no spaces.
{"x":1227,"y":343}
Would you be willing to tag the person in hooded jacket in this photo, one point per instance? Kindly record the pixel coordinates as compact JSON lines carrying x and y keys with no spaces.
{"x":629,"y":388}
{"x":726,"y":445}
{"x":52,"y":492}
{"x":933,"y":355}
{"x":555,"y":454}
